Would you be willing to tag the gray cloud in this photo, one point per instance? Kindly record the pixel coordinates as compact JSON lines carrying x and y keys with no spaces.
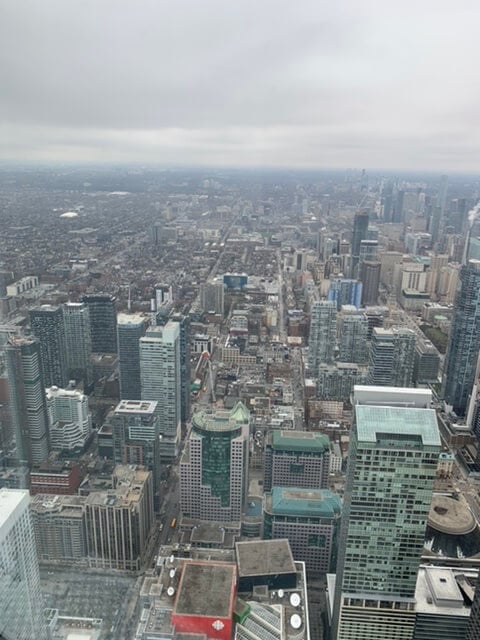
{"x":277,"y":82}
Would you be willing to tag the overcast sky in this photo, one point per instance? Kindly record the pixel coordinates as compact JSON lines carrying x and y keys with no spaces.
{"x":292,"y":83}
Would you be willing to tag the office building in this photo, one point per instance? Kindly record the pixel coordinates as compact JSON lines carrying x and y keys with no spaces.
{"x":160,"y":376}
{"x":360,"y":227}
{"x":296,"y":459}
{"x":464,"y":341}
{"x":119,"y":521}
{"x":370,"y":277}
{"x":309,"y":519}
{"x":130,"y":328}
{"x":392,"y":465}
{"x":48,"y":327}
{"x":135,"y":436}
{"x":473,"y":628}
{"x":78,"y":341}
{"x":323,"y":334}
{"x":345,"y":291}
{"x":212,"y":297}
{"x":70,"y":421}
{"x":352,"y":336}
{"x":392,"y":357}
{"x":368,"y":249}
{"x":427,"y":363}
{"x":28,"y":407}
{"x":103,"y":322}
{"x":214,"y":466}
{"x":21,"y":605}
{"x":184,"y":324}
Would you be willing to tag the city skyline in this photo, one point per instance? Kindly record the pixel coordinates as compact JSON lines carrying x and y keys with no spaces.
{"x":271,"y":85}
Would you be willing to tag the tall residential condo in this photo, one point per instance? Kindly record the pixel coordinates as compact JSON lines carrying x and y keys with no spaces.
{"x":78,"y":340}
{"x":323,"y":334}
{"x":130,"y":328}
{"x":48,"y":327}
{"x":103,"y":322}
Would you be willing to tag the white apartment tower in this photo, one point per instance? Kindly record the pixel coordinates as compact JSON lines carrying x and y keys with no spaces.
{"x":69,"y":419}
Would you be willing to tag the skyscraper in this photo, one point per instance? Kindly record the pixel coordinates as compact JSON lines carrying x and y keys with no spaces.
{"x":184,"y":324}
{"x":360,"y":226}
{"x":323,"y":332}
{"x":392,"y":357}
{"x":160,"y":381}
{"x":212,"y":297}
{"x":70,"y":421}
{"x":394,"y":450}
{"x":130,"y":328}
{"x":28,"y":406}
{"x":21,"y":606}
{"x":370,"y":277}
{"x":48,"y":327}
{"x":353,"y":336}
{"x":473,"y":629}
{"x":214,"y":466}
{"x":345,"y":291}
{"x":103,"y":322}
{"x":78,"y":341}
{"x":464,"y":340}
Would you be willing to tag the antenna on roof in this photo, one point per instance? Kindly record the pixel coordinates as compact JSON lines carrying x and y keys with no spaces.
{"x":129,"y":305}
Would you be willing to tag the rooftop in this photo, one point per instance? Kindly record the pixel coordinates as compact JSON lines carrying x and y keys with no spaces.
{"x":264,"y":557}
{"x":311,"y":441}
{"x":373,"y":422}
{"x":146,"y":407}
{"x":130,"y":319}
{"x":319,"y":503}
{"x":450,"y":516}
{"x":206,"y":589}
{"x":10,"y":501}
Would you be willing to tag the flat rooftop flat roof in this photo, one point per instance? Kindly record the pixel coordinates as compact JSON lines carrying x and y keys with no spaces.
{"x":136,"y":406}
{"x":206,"y":589}
{"x":284,"y":440}
{"x":264,"y":557}
{"x":10,"y":500}
{"x":318,"y":503}
{"x":373,"y":421}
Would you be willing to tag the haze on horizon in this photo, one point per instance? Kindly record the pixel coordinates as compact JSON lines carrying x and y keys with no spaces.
{"x":216,"y":83}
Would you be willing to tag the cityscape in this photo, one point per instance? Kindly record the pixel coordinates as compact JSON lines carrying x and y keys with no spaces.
{"x":239,"y":405}
{"x":239,"y":320}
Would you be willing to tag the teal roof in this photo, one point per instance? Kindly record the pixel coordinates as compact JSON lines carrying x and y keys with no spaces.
{"x":293,"y":501}
{"x":300,"y":441}
{"x":373,"y":421}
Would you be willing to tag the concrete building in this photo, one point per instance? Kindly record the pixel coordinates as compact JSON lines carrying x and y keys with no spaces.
{"x":48,"y":327}
{"x":78,"y":341}
{"x":473,"y":628}
{"x":136,"y":436}
{"x":323,"y":332}
{"x":28,"y":407}
{"x":214,"y":466}
{"x":130,"y":328}
{"x":360,"y":227}
{"x":392,"y":357}
{"x":119,"y":521}
{"x":370,"y":278}
{"x":160,"y":375}
{"x":21,"y":605}
{"x":309,"y":519}
{"x":464,"y":342}
{"x":103,"y":322}
{"x":70,"y":421}
{"x":395,"y":444}
{"x":296,"y":459}
{"x":212,"y":297}
{"x":22,"y":286}
{"x":185,"y":369}
{"x":336,"y":381}
{"x":427,"y":363}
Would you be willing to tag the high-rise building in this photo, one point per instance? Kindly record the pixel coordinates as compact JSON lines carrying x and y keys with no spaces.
{"x":336,"y":381}
{"x":28,"y":407}
{"x":135,"y":436}
{"x":370,"y":277}
{"x":392,"y":464}
{"x":345,"y":291}
{"x":392,"y":357}
{"x":160,"y":377}
{"x":212,"y":297}
{"x":103,"y":322}
{"x":296,"y":459}
{"x":21,"y":605}
{"x":48,"y":327}
{"x":473,"y":629}
{"x":464,"y":342}
{"x":78,"y":341}
{"x":184,"y":324}
{"x":368,"y":250}
{"x":130,"y":328}
{"x":360,"y":226}
{"x":427,"y":363}
{"x":309,"y":519}
{"x":214,"y":466}
{"x":323,"y":333}
{"x":70,"y":421}
{"x":119,"y":521}
{"x":352,"y":336}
